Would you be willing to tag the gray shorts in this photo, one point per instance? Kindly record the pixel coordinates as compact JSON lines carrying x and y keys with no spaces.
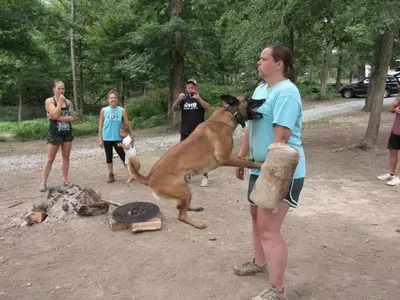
{"x":292,"y":197}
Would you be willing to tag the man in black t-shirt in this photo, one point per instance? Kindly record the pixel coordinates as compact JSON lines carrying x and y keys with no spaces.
{"x":193,"y":108}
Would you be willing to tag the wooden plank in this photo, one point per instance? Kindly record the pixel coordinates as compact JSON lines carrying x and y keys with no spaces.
{"x":114,"y":225}
{"x":38,"y":217}
{"x":150,"y":225}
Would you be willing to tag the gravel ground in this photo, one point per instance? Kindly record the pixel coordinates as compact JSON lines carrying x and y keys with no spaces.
{"x":166,"y":141}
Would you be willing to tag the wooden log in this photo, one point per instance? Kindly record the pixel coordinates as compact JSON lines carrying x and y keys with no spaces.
{"x":38,"y":216}
{"x":150,"y":225}
{"x":114,"y":225}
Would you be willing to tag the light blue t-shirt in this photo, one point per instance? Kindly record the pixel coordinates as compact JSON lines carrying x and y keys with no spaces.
{"x":113,"y":120}
{"x":282,"y":107}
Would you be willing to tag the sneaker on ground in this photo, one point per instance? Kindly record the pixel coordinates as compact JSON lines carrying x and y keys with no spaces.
{"x":386,"y":176}
{"x":394,"y":181}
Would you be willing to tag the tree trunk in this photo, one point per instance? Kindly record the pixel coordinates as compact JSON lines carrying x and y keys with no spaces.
{"x":76,"y":103}
{"x":324,"y":72}
{"x":19,"y":105}
{"x":81,"y":92}
{"x":368,"y":100}
{"x":339,"y":70}
{"x":383,"y":54}
{"x":351,"y":76}
{"x":122,"y":90}
{"x":177,"y":65}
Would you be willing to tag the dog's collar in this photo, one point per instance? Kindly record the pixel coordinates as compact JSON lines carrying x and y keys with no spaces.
{"x":236,"y":114}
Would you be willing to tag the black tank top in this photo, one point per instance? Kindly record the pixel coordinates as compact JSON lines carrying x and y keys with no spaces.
{"x":61,"y":127}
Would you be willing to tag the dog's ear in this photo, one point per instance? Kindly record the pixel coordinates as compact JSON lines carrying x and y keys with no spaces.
{"x":229,"y":99}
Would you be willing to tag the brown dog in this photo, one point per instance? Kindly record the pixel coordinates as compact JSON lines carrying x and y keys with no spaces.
{"x":208,"y":147}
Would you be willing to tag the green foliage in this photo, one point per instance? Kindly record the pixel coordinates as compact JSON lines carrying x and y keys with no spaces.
{"x":38,"y":129}
{"x":31,"y":130}
{"x":150,"y":110}
{"x":7,"y":126}
{"x":127,"y":44}
{"x":154,"y":103}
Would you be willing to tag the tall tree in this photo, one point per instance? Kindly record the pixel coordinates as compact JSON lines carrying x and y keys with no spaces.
{"x":177,"y":62}
{"x":73,"y":66}
{"x":383,"y":54}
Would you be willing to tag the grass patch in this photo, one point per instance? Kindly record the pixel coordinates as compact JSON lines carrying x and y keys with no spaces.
{"x":322,"y":121}
{"x":38,"y":129}
{"x":6,"y":126}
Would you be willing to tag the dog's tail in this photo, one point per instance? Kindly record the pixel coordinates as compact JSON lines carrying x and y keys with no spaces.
{"x":133,"y":166}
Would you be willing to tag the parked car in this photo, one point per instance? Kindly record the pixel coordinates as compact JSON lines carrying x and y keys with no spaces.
{"x":361,"y":88}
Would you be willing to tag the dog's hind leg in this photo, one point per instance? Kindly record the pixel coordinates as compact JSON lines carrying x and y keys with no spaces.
{"x":191,"y":208}
{"x":183,"y":215}
{"x":182,"y":195}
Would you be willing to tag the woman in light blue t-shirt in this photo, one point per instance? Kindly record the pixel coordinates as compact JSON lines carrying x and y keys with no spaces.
{"x":111,"y":119}
{"x":281,"y":122}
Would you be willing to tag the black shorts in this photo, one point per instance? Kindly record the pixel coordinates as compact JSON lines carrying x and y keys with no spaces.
{"x":184,"y":136}
{"x":394,"y":142}
{"x":56,"y":139}
{"x":292,"y":197}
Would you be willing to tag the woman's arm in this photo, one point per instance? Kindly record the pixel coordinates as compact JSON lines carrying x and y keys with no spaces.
{"x":395,"y":105}
{"x":100,"y":130}
{"x":52,"y":110}
{"x":244,"y":147}
{"x":282,"y":134}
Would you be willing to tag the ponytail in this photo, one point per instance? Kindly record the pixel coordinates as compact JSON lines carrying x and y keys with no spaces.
{"x":291,"y":73}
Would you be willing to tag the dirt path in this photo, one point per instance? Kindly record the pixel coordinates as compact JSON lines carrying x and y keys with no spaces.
{"x":343,"y":239}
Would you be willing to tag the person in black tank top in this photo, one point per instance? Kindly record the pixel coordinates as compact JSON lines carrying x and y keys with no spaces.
{"x":193,"y":108}
{"x":60,"y":114}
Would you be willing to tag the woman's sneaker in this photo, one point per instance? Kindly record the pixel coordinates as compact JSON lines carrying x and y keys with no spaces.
{"x":270,"y":293}
{"x":386,"y":176}
{"x":111,"y":178}
{"x":249,"y":268}
{"x":394,"y":181}
{"x":43,"y":187}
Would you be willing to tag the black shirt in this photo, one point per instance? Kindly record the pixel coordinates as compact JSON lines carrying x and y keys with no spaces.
{"x":61,"y":127}
{"x":192,"y":115}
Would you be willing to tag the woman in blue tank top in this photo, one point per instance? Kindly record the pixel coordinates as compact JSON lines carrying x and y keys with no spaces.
{"x":111,"y":119}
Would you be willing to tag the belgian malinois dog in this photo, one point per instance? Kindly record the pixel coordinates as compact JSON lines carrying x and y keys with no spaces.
{"x":208,"y":147}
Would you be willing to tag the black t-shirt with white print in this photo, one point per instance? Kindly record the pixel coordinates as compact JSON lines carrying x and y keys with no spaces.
{"x":192,"y":115}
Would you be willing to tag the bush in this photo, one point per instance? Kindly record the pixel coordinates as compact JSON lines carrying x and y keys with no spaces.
{"x":211,"y":92}
{"x":31,"y":130}
{"x":308,"y":88}
{"x":38,"y":129}
{"x":150,"y":110}
{"x":7,"y":126}
{"x":155,"y":120}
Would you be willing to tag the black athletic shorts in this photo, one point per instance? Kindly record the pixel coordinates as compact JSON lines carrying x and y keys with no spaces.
{"x":394,"y":142}
{"x":56,"y":139}
{"x":292,"y":197}
{"x":184,"y":136}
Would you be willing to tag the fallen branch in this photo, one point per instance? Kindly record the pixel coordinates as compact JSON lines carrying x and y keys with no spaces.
{"x":112,"y":202}
{"x":16,"y":204}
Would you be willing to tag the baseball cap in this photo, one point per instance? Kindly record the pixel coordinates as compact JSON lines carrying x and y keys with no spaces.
{"x":191,"y":80}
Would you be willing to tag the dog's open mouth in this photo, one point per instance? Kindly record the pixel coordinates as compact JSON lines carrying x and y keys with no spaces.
{"x":252,"y":114}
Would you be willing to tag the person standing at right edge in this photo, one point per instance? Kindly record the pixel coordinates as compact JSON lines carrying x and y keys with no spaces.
{"x":193,"y":108}
{"x":111,"y":119}
{"x":281,"y":122}
{"x":393,"y":146}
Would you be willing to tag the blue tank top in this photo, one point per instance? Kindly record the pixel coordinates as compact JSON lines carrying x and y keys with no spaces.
{"x":113,"y":120}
